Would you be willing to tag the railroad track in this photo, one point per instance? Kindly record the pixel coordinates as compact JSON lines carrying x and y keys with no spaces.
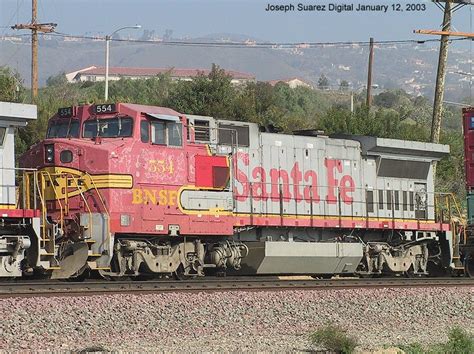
{"x":59,"y":288}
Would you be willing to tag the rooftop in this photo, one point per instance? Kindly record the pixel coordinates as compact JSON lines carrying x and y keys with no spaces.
{"x":174,"y":72}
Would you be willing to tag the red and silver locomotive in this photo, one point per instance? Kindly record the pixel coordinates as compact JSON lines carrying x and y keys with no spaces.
{"x":133,"y":190}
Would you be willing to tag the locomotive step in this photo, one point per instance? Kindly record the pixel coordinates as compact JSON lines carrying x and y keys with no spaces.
{"x":93,"y":265}
{"x":94,"y":254}
{"x":43,"y":253}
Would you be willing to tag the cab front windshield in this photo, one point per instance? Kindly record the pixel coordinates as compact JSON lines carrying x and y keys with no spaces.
{"x":63,"y":129}
{"x":108,"y":128}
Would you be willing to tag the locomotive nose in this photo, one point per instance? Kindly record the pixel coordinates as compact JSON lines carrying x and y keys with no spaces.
{"x":49,"y":153}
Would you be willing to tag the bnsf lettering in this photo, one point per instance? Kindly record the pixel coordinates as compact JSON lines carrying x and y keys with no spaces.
{"x":153,"y":196}
{"x":295,"y":184}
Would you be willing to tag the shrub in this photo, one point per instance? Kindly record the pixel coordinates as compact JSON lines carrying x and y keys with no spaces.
{"x":334,"y":338}
{"x":460,"y":341}
{"x":412,"y":348}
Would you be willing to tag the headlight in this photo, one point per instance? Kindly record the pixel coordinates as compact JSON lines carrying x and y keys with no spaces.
{"x":65,"y":156}
{"x":49,"y":153}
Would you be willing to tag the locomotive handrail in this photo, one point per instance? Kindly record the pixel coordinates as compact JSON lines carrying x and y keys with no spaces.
{"x":419,"y":207}
{"x":19,"y":169}
{"x":18,"y":183}
{"x":43,"y":206}
{"x":98,"y":193}
{"x":61,"y":219}
{"x":85,"y":203}
{"x":461,"y":218}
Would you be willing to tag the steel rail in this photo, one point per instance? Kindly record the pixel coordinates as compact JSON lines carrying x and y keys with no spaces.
{"x":60,"y":288}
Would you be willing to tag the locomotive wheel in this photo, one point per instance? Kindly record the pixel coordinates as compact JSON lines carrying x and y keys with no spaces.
{"x":411,"y":274}
{"x":436,"y":270}
{"x":83,"y":275}
{"x":111,"y":277}
{"x":179,"y":274}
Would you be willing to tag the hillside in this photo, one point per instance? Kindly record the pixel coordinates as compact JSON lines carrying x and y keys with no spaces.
{"x":412,"y":68}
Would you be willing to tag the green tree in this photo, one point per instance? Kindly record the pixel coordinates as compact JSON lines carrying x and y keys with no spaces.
{"x":391,"y":99}
{"x":57,"y":80}
{"x":344,"y":85}
{"x":11,"y":87}
{"x":323,"y":82}
{"x":211,"y":95}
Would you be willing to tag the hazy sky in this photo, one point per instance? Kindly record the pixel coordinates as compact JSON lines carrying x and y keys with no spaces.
{"x":195,"y":18}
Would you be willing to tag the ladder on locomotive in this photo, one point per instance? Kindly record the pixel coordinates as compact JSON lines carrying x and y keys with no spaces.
{"x":447,"y":210}
{"x":53,"y":230}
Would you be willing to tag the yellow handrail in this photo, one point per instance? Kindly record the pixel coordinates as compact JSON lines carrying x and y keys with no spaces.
{"x":56,"y":195}
{"x":450,"y":202}
{"x":85,"y":203}
{"x":98,"y":193}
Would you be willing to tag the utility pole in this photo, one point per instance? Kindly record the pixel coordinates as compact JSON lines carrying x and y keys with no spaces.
{"x":440,"y":76}
{"x":449,"y":7}
{"x":35,"y":27}
{"x":369,"y":74}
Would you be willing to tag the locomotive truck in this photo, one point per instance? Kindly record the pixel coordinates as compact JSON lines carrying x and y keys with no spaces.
{"x":128,"y":190}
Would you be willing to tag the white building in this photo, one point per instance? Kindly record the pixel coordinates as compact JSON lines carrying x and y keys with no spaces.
{"x":94,"y":74}
{"x":293,"y":82}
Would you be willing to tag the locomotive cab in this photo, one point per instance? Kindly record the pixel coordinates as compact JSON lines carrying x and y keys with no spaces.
{"x":113,"y":174}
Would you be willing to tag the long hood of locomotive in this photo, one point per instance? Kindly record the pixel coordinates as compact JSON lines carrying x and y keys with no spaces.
{"x":278,"y":180}
{"x":298,"y":176}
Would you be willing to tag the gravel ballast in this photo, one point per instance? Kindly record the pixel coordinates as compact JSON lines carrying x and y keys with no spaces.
{"x":234,"y":320}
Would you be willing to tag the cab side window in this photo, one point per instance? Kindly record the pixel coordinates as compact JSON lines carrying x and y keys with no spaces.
{"x":162,"y":133}
{"x":174,"y":131}
{"x":144,"y":131}
{"x":158,"y":133}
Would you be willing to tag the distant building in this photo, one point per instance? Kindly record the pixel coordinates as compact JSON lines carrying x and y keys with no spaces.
{"x":70,"y":77}
{"x":94,"y":74}
{"x":292,"y":82}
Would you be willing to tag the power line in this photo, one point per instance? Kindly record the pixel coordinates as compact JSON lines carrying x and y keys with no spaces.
{"x":299,"y":45}
{"x":35,"y":28}
{"x":15,"y":13}
{"x":17,"y":35}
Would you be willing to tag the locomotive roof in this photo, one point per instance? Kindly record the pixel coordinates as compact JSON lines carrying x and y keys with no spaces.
{"x":369,"y":145}
{"x":378,"y":146}
{"x":17,"y":113}
{"x":150,"y":109}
